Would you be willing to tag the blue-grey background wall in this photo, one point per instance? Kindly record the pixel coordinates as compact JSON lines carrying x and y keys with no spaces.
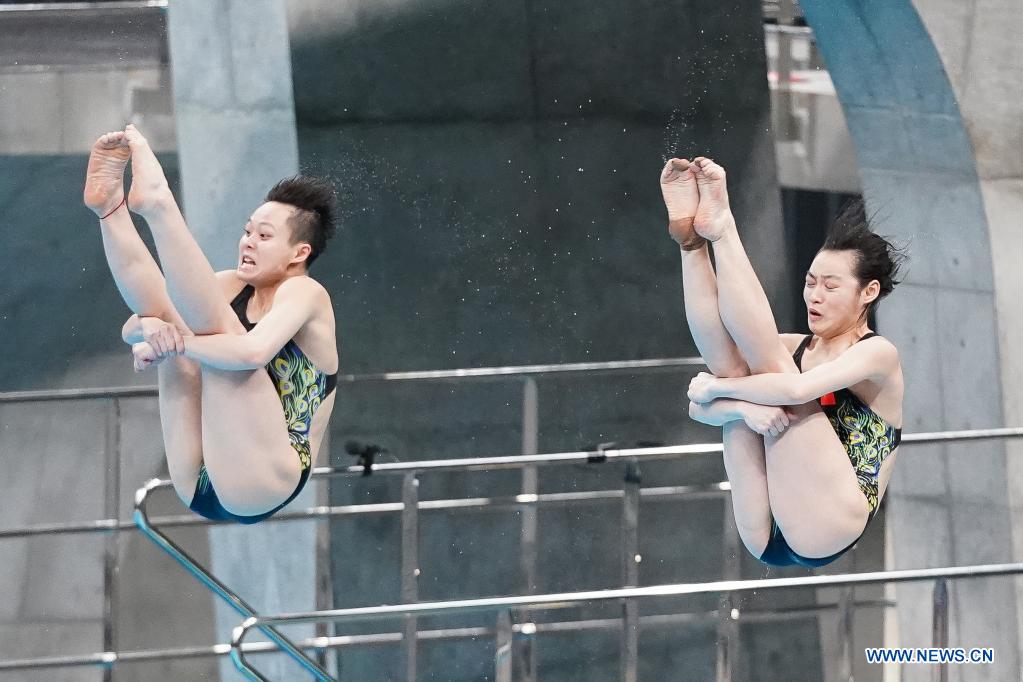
{"x":498,"y":164}
{"x":59,"y":304}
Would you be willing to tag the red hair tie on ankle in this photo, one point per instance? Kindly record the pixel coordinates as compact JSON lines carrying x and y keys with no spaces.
{"x":123,"y":199}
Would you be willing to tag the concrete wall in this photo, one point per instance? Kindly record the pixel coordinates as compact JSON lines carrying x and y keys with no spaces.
{"x":53,"y":471}
{"x":59,"y":328}
{"x":976,"y":42}
{"x":67,"y":75}
{"x":101,"y":97}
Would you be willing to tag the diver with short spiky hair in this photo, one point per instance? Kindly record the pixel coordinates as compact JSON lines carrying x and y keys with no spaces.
{"x":247,"y":358}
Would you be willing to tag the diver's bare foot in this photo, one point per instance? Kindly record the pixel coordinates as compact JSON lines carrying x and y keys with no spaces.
{"x":149,"y":189}
{"x":681,"y":197}
{"x":104,"y":179}
{"x":713,"y":217}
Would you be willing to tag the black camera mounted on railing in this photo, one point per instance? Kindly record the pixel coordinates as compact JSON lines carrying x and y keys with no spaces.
{"x":632,"y":474}
{"x":366,"y":454}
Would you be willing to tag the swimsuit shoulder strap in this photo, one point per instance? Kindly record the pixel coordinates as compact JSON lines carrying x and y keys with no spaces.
{"x":898,"y":432}
{"x":797,"y":356}
{"x":240,"y":304}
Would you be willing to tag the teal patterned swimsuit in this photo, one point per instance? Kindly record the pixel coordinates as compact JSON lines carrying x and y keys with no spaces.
{"x":302,"y":388}
{"x":867,"y":438}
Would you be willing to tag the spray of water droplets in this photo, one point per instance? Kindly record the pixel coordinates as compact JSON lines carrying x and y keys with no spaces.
{"x":673,"y":134}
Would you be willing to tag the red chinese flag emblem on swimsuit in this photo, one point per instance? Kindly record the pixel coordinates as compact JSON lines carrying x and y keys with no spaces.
{"x":828,"y":400}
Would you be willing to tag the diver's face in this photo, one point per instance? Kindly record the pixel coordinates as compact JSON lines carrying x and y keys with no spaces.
{"x":265,"y":250}
{"x":834,"y":299}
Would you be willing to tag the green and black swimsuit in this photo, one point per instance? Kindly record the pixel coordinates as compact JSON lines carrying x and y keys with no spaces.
{"x":302,"y":388}
{"x":868,"y":440}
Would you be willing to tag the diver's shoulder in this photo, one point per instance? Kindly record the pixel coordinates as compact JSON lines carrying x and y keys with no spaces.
{"x":883,"y":347}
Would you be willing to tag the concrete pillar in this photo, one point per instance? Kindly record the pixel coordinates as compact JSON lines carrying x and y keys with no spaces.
{"x":235,"y":117}
{"x":947,"y":504}
{"x":978,"y":44}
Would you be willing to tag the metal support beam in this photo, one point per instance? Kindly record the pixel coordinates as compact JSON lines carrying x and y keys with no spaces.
{"x":410,"y":569}
{"x":939,"y":626}
{"x":324,"y":581}
{"x":728,"y":603}
{"x":530,"y":485}
{"x":845,"y":635}
{"x":111,"y":546}
{"x":630,"y":571}
{"x":503,"y":645}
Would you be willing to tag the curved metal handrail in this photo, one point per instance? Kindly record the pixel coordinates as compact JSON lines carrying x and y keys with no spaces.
{"x":566,"y":599}
{"x":217,"y":587}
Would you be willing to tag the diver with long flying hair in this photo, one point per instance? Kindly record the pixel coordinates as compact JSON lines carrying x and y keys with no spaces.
{"x":811,"y":424}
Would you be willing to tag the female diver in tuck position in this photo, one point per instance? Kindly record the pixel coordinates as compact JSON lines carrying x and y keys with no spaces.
{"x":246,"y":358}
{"x":810,"y":423}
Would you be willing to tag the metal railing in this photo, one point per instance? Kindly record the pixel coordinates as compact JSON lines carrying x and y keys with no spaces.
{"x":566,"y":599}
{"x":112,"y":487}
{"x":108,"y":659}
{"x":113,"y":525}
{"x":85,"y":6}
{"x":527,"y":500}
{"x":411,"y":505}
{"x":409,"y":509}
{"x":629,"y":495}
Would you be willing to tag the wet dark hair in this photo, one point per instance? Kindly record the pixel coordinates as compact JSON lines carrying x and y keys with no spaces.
{"x":316,"y":202}
{"x":876,"y":257}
